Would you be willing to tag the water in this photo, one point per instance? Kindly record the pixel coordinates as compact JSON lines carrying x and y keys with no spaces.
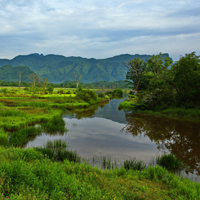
{"x":123,"y":134}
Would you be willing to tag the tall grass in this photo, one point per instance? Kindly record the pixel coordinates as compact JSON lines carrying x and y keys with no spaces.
{"x":58,"y":150}
{"x":170,"y":162}
{"x":3,"y":138}
{"x":56,"y":124}
{"x":134,"y":164}
{"x":20,"y":137}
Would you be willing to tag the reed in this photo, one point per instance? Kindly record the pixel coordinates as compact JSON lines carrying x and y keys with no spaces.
{"x":55,"y":124}
{"x":58,"y":150}
{"x":20,"y":137}
{"x":134,"y":164}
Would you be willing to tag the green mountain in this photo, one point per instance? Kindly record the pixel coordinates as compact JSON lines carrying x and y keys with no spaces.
{"x":57,"y":68}
{"x":11,"y":74}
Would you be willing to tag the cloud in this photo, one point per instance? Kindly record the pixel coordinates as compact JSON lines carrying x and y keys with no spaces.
{"x":98,"y":28}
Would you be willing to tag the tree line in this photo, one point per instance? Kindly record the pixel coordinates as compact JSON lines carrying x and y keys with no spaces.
{"x":160,"y":83}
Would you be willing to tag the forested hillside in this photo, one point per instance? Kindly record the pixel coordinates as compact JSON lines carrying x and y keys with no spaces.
{"x":11,"y":74}
{"x":57,"y":68}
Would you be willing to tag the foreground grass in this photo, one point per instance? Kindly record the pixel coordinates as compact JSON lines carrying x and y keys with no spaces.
{"x":28,"y":174}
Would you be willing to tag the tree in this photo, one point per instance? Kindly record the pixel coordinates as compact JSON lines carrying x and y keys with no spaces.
{"x":77,"y":79}
{"x":186,"y":80}
{"x":34,"y":78}
{"x":44,"y":83}
{"x":157,"y":65}
{"x":19,"y":73}
{"x":135,"y":67}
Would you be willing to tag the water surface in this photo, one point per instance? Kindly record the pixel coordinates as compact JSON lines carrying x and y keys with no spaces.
{"x":123,"y":134}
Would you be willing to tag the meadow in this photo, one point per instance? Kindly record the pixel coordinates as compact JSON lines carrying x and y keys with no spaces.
{"x":55,"y":172}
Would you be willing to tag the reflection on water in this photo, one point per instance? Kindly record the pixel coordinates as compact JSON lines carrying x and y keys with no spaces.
{"x":181,"y":138}
{"x":105,"y":130}
{"x":97,"y":131}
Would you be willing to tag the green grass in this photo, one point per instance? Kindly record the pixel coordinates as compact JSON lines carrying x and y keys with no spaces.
{"x":28,"y":174}
{"x":182,"y":112}
{"x":170,"y":162}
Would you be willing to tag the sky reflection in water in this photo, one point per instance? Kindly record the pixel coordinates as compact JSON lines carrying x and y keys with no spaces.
{"x":123,"y":135}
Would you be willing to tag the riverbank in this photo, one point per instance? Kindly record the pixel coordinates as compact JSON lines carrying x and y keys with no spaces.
{"x":132,"y":104}
{"x":46,"y":179}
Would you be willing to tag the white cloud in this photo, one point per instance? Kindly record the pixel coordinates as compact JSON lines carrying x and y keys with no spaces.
{"x":97,"y":28}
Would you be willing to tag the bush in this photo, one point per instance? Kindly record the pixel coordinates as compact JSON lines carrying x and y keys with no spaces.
{"x":170,"y":162}
{"x":118,"y":92}
{"x":50,"y":89}
{"x":101,"y":95}
{"x":85,"y":95}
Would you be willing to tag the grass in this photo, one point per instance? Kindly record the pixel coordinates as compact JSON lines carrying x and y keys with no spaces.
{"x":18,"y":111}
{"x":56,"y":172}
{"x":132,"y":104}
{"x":170,"y":162}
{"x":29,"y":174}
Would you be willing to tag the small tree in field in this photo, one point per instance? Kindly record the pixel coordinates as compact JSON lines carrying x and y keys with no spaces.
{"x":135,"y":67}
{"x":77,"y":79}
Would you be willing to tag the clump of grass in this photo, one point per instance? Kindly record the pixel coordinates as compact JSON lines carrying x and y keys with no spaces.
{"x":58,"y":150}
{"x":20,"y":137}
{"x":3,"y":138}
{"x":54,"y":125}
{"x":170,"y":162}
{"x":56,"y":144}
{"x":134,"y":164}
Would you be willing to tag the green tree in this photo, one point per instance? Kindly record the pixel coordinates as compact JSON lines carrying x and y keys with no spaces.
{"x":158,"y":65}
{"x":186,"y":80}
{"x":135,"y":67}
{"x":50,"y":89}
{"x":44,"y":84}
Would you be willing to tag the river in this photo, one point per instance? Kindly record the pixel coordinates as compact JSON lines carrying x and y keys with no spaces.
{"x":106,"y":131}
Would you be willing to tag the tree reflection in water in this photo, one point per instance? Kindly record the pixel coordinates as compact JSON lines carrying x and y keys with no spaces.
{"x":182,"y":138}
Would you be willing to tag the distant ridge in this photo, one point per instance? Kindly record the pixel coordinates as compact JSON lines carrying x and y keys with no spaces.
{"x":58,"y":68}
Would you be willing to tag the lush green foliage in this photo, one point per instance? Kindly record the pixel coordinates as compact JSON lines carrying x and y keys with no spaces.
{"x":170,"y":85}
{"x":86,"y":95}
{"x":9,"y":73}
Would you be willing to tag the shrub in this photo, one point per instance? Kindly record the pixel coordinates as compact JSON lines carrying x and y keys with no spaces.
{"x":101,"y":95}
{"x":170,"y":162}
{"x":85,"y":95}
{"x":50,"y":89}
{"x":118,"y":92}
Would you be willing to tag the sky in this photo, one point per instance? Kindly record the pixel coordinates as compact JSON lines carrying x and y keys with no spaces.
{"x":99,"y":29}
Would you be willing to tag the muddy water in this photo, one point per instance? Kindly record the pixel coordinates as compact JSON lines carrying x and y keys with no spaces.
{"x":123,"y":134}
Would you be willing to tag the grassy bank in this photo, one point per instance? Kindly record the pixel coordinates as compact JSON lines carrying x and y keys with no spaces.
{"x":21,"y":108}
{"x":29,"y":174}
{"x":132,"y":104}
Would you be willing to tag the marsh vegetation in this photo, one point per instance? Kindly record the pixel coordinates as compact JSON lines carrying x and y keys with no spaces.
{"x":55,"y":170}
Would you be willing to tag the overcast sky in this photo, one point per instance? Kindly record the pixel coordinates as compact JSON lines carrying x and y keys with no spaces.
{"x":99,"y":29}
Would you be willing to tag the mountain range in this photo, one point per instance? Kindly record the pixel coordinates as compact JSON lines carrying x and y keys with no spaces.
{"x":58,"y":68}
